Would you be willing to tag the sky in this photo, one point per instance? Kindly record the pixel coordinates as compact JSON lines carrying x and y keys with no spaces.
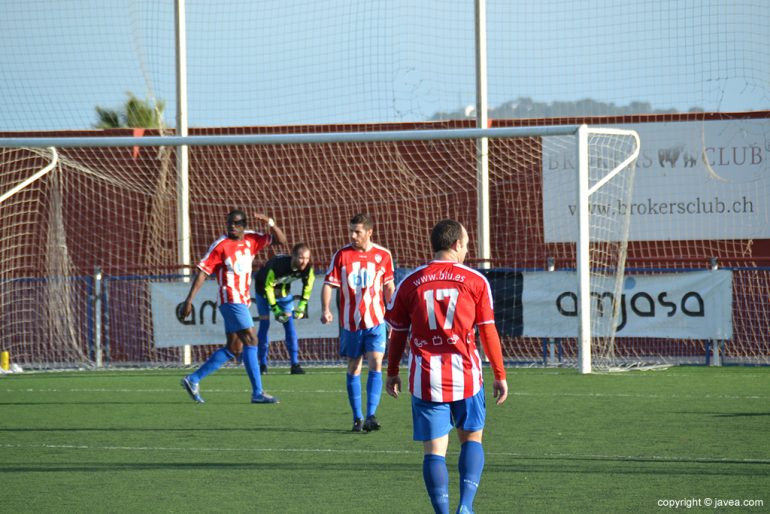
{"x":354,"y":61}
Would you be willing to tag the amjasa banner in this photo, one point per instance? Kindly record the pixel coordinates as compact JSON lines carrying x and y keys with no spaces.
{"x":693,"y":305}
{"x":205,"y":325}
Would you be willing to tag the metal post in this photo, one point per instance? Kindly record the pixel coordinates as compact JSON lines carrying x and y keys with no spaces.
{"x":97,"y":299}
{"x":716,"y":345}
{"x":182,"y":155}
{"x":482,"y":144}
{"x":583,"y":256}
{"x":550,"y":266}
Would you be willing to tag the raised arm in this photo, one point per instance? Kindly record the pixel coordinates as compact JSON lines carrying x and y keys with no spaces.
{"x":279,"y":238}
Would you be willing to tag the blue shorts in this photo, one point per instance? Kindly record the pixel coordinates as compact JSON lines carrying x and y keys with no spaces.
{"x":237,"y":317}
{"x":432,"y":420}
{"x":286,"y":303}
{"x":360,"y":342}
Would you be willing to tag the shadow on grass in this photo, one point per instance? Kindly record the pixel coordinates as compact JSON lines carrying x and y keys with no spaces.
{"x":571,"y":466}
{"x":96,"y":402}
{"x":742,"y":415}
{"x":647,"y":460}
{"x":639,"y":467}
{"x":314,"y":466}
{"x":218,"y":429}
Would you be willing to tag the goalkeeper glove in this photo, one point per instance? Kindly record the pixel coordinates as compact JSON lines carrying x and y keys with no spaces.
{"x":301,"y":309}
{"x":280,"y":316}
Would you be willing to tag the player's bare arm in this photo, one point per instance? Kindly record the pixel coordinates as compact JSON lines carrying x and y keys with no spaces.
{"x":500,"y":391}
{"x":326,"y":300}
{"x":279,"y":236}
{"x":396,"y":347}
{"x":387,"y":291}
{"x":194,"y":288}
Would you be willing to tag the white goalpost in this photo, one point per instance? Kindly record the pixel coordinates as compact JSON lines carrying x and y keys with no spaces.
{"x":614,"y":171}
{"x":29,"y":180}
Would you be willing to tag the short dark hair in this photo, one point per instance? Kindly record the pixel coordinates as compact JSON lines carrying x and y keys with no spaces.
{"x":444,"y":234}
{"x":297,"y":248}
{"x":362,"y":219}
{"x":234,"y":213}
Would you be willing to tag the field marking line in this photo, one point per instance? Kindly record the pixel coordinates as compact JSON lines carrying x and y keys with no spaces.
{"x":708,"y":396}
{"x":194,"y":449}
{"x":164,"y":390}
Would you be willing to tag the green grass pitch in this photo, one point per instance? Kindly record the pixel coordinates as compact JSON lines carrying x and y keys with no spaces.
{"x":132,"y":441}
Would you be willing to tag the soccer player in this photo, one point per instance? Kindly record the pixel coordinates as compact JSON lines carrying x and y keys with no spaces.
{"x":230,"y":258}
{"x":363,"y":273}
{"x":273,"y":286}
{"x":441,"y":302}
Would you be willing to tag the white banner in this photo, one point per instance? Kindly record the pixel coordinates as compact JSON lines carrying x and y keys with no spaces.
{"x":694,"y":180}
{"x":205,"y":326}
{"x":694,"y":305}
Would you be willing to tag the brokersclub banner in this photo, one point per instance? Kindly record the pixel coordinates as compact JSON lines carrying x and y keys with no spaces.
{"x":694,"y":180}
{"x":205,"y":326}
{"x":694,"y":305}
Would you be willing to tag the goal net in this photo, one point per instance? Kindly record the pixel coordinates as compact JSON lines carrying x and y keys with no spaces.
{"x":39,"y":309}
{"x":85,"y":240}
{"x":88,"y":235}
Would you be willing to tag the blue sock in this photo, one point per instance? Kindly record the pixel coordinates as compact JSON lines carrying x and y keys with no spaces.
{"x":354,"y":394}
{"x":292,"y":346}
{"x":262,"y":340}
{"x":436,"y":478}
{"x":252,"y":369}
{"x":470,"y":465}
{"x":215,"y":361}
{"x":373,"y":392}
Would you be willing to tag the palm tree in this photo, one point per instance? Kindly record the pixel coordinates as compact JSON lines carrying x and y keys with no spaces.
{"x":136,"y":113}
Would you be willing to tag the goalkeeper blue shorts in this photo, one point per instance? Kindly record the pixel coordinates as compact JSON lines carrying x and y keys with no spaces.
{"x":356,"y":343}
{"x":286,"y":303}
{"x":237,"y":317}
{"x":432,"y":420}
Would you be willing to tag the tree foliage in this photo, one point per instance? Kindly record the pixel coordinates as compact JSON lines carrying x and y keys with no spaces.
{"x":135,"y":113}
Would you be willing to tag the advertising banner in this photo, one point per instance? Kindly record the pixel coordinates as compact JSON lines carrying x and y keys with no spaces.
{"x":205,"y":325}
{"x":693,"y":305}
{"x":695,"y":180}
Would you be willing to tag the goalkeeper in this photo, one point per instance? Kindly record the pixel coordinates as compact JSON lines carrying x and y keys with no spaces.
{"x":273,"y":287}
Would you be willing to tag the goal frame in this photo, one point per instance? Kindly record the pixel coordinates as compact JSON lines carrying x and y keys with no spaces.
{"x":584,"y":233}
{"x":584,"y":192}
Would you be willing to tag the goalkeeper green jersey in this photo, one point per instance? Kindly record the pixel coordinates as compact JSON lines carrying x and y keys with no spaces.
{"x":274,"y":279}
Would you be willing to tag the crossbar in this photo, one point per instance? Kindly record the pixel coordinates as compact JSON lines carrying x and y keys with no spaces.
{"x":286,"y":139}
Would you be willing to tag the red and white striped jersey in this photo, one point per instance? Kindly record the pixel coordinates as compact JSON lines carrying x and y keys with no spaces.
{"x":442,"y":302}
{"x":231,"y":260}
{"x":360,"y":277}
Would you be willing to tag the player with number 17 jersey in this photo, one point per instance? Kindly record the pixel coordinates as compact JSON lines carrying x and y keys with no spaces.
{"x":360,"y":275}
{"x":442,"y":302}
